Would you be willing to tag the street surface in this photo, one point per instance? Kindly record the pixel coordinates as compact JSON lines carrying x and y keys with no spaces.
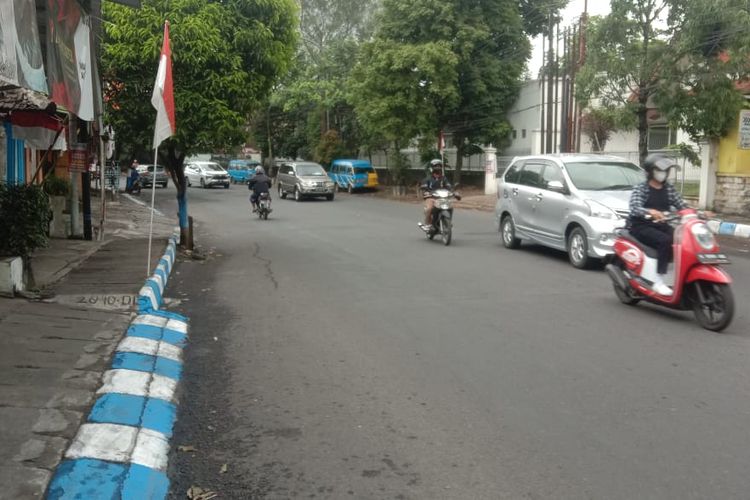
{"x":336,"y":353}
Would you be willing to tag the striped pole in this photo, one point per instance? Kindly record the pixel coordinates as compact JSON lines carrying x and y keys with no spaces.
{"x":729,"y":228}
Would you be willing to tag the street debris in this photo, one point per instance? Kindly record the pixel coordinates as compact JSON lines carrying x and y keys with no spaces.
{"x":198,"y":493}
{"x":186,"y":448}
{"x":224,"y":469}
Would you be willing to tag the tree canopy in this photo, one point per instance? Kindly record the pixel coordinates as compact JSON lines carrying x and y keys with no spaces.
{"x":682,"y":56}
{"x":445,"y":65}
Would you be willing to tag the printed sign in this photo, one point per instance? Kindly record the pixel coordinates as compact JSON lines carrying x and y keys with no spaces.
{"x":744,"y":129}
{"x":8,"y":64}
{"x":78,"y":156}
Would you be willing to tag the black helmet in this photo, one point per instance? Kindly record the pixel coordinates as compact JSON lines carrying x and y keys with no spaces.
{"x":658,"y":161}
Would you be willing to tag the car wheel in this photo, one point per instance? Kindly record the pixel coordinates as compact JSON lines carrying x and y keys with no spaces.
{"x":297,"y":194}
{"x":349,"y":189}
{"x":164,"y":185}
{"x":226,"y":186}
{"x":282,"y":193}
{"x":203,"y":183}
{"x":329,"y":197}
{"x":508,"y":233}
{"x":578,"y":248}
{"x":336,"y":187}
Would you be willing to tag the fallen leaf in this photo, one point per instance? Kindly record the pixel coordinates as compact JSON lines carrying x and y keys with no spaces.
{"x":198,"y":493}
{"x":224,"y":469}
{"x":186,"y":448}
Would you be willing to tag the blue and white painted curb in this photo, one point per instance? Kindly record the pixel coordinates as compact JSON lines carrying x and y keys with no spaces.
{"x":729,"y":228}
{"x":122,"y":449}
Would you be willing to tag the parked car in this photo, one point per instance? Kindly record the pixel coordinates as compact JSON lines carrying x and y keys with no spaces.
{"x":206,"y":174}
{"x":570,"y":202}
{"x":240,"y":170}
{"x":146,"y":173}
{"x":304,"y":179}
{"x":353,"y":174}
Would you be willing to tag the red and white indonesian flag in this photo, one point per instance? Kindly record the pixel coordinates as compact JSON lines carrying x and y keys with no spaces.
{"x":163,"y":97}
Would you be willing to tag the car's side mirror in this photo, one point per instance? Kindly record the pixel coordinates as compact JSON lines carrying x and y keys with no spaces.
{"x":557,"y":187}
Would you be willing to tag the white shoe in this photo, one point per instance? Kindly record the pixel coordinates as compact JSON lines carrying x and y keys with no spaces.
{"x":662,"y":289}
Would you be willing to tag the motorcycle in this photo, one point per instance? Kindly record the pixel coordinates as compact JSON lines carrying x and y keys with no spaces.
{"x":699,"y":282}
{"x":264,"y":205}
{"x":442,"y":215}
{"x":135,"y":187}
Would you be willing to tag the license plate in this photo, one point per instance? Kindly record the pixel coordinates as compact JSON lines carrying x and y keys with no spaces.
{"x":713,"y":258}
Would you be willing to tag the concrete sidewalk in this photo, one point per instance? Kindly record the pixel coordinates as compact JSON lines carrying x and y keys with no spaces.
{"x":53,"y":351}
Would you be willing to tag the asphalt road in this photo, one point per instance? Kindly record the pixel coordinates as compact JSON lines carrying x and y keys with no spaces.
{"x":336,"y":353}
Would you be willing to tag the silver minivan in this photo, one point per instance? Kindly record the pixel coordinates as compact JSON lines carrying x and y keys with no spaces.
{"x":571,"y":202}
{"x":304,"y":179}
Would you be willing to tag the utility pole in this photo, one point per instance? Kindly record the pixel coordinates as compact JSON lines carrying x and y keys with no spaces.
{"x":581,"y":61}
{"x":543,"y":88}
{"x":550,"y":89}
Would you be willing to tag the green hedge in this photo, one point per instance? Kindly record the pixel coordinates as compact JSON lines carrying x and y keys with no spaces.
{"x":24,"y":219}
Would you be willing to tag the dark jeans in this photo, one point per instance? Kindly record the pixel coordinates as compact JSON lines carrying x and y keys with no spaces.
{"x":658,"y":236}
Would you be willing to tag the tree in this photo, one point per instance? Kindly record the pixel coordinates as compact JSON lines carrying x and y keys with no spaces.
{"x":682,"y":56}
{"x":626,"y":52}
{"x":311,"y":100}
{"x":460,"y":71}
{"x":226,"y":56}
{"x":599,"y":124}
{"x":702,"y":95}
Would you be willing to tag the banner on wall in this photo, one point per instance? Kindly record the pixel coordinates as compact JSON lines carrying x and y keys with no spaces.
{"x":8,"y":64}
{"x":69,"y":58}
{"x":30,"y":71}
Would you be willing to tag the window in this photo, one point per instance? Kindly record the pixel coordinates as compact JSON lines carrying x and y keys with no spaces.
{"x":515,"y":134}
{"x":660,"y":137}
{"x":531,"y":175}
{"x":523,"y":134}
{"x":552,"y":173}
{"x":511,"y":175}
{"x":605,"y":175}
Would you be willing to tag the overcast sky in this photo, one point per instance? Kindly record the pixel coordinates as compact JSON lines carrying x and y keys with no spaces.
{"x":571,"y":13}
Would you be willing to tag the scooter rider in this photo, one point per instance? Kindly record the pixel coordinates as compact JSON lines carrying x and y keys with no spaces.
{"x":260,"y":183}
{"x":653,"y":198}
{"x":429,"y":184}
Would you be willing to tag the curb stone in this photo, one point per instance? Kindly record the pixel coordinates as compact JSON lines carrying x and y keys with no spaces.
{"x":121,"y":450}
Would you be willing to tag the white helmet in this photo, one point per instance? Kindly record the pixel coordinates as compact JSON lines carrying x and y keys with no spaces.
{"x":259,"y":170}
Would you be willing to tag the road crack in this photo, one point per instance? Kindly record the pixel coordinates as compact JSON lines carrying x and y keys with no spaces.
{"x":267,"y":264}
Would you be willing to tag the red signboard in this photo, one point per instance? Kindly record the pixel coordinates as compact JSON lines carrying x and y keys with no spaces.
{"x":78,"y":155}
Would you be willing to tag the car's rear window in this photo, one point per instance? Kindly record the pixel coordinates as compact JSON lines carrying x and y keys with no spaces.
{"x":363,"y":170}
{"x":605,"y":175}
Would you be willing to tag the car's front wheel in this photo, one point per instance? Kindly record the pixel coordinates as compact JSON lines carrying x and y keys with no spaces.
{"x":508,"y":233}
{"x":203,"y":183}
{"x":282,"y":193}
{"x":578,"y":248}
{"x":297,"y":194}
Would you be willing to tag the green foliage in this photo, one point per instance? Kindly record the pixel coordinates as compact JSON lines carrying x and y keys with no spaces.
{"x":329,"y":148}
{"x":24,"y":219}
{"x":312,"y":99}
{"x":56,"y":186}
{"x":599,"y":124}
{"x":682,"y":56}
{"x":225,"y":56}
{"x":713,"y":40}
{"x":445,"y":65}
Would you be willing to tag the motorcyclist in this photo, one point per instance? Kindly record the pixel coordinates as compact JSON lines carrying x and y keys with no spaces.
{"x":260,"y":183}
{"x":648,"y":204}
{"x":429,"y":184}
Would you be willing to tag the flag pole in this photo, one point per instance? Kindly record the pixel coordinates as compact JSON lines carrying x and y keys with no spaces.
{"x":153,"y":199}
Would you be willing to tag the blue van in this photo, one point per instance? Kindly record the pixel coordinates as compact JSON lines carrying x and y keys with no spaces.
{"x":353,"y":174}
{"x":240,"y":170}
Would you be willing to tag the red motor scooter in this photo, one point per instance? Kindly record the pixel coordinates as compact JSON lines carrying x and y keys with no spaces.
{"x":698,"y":282}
